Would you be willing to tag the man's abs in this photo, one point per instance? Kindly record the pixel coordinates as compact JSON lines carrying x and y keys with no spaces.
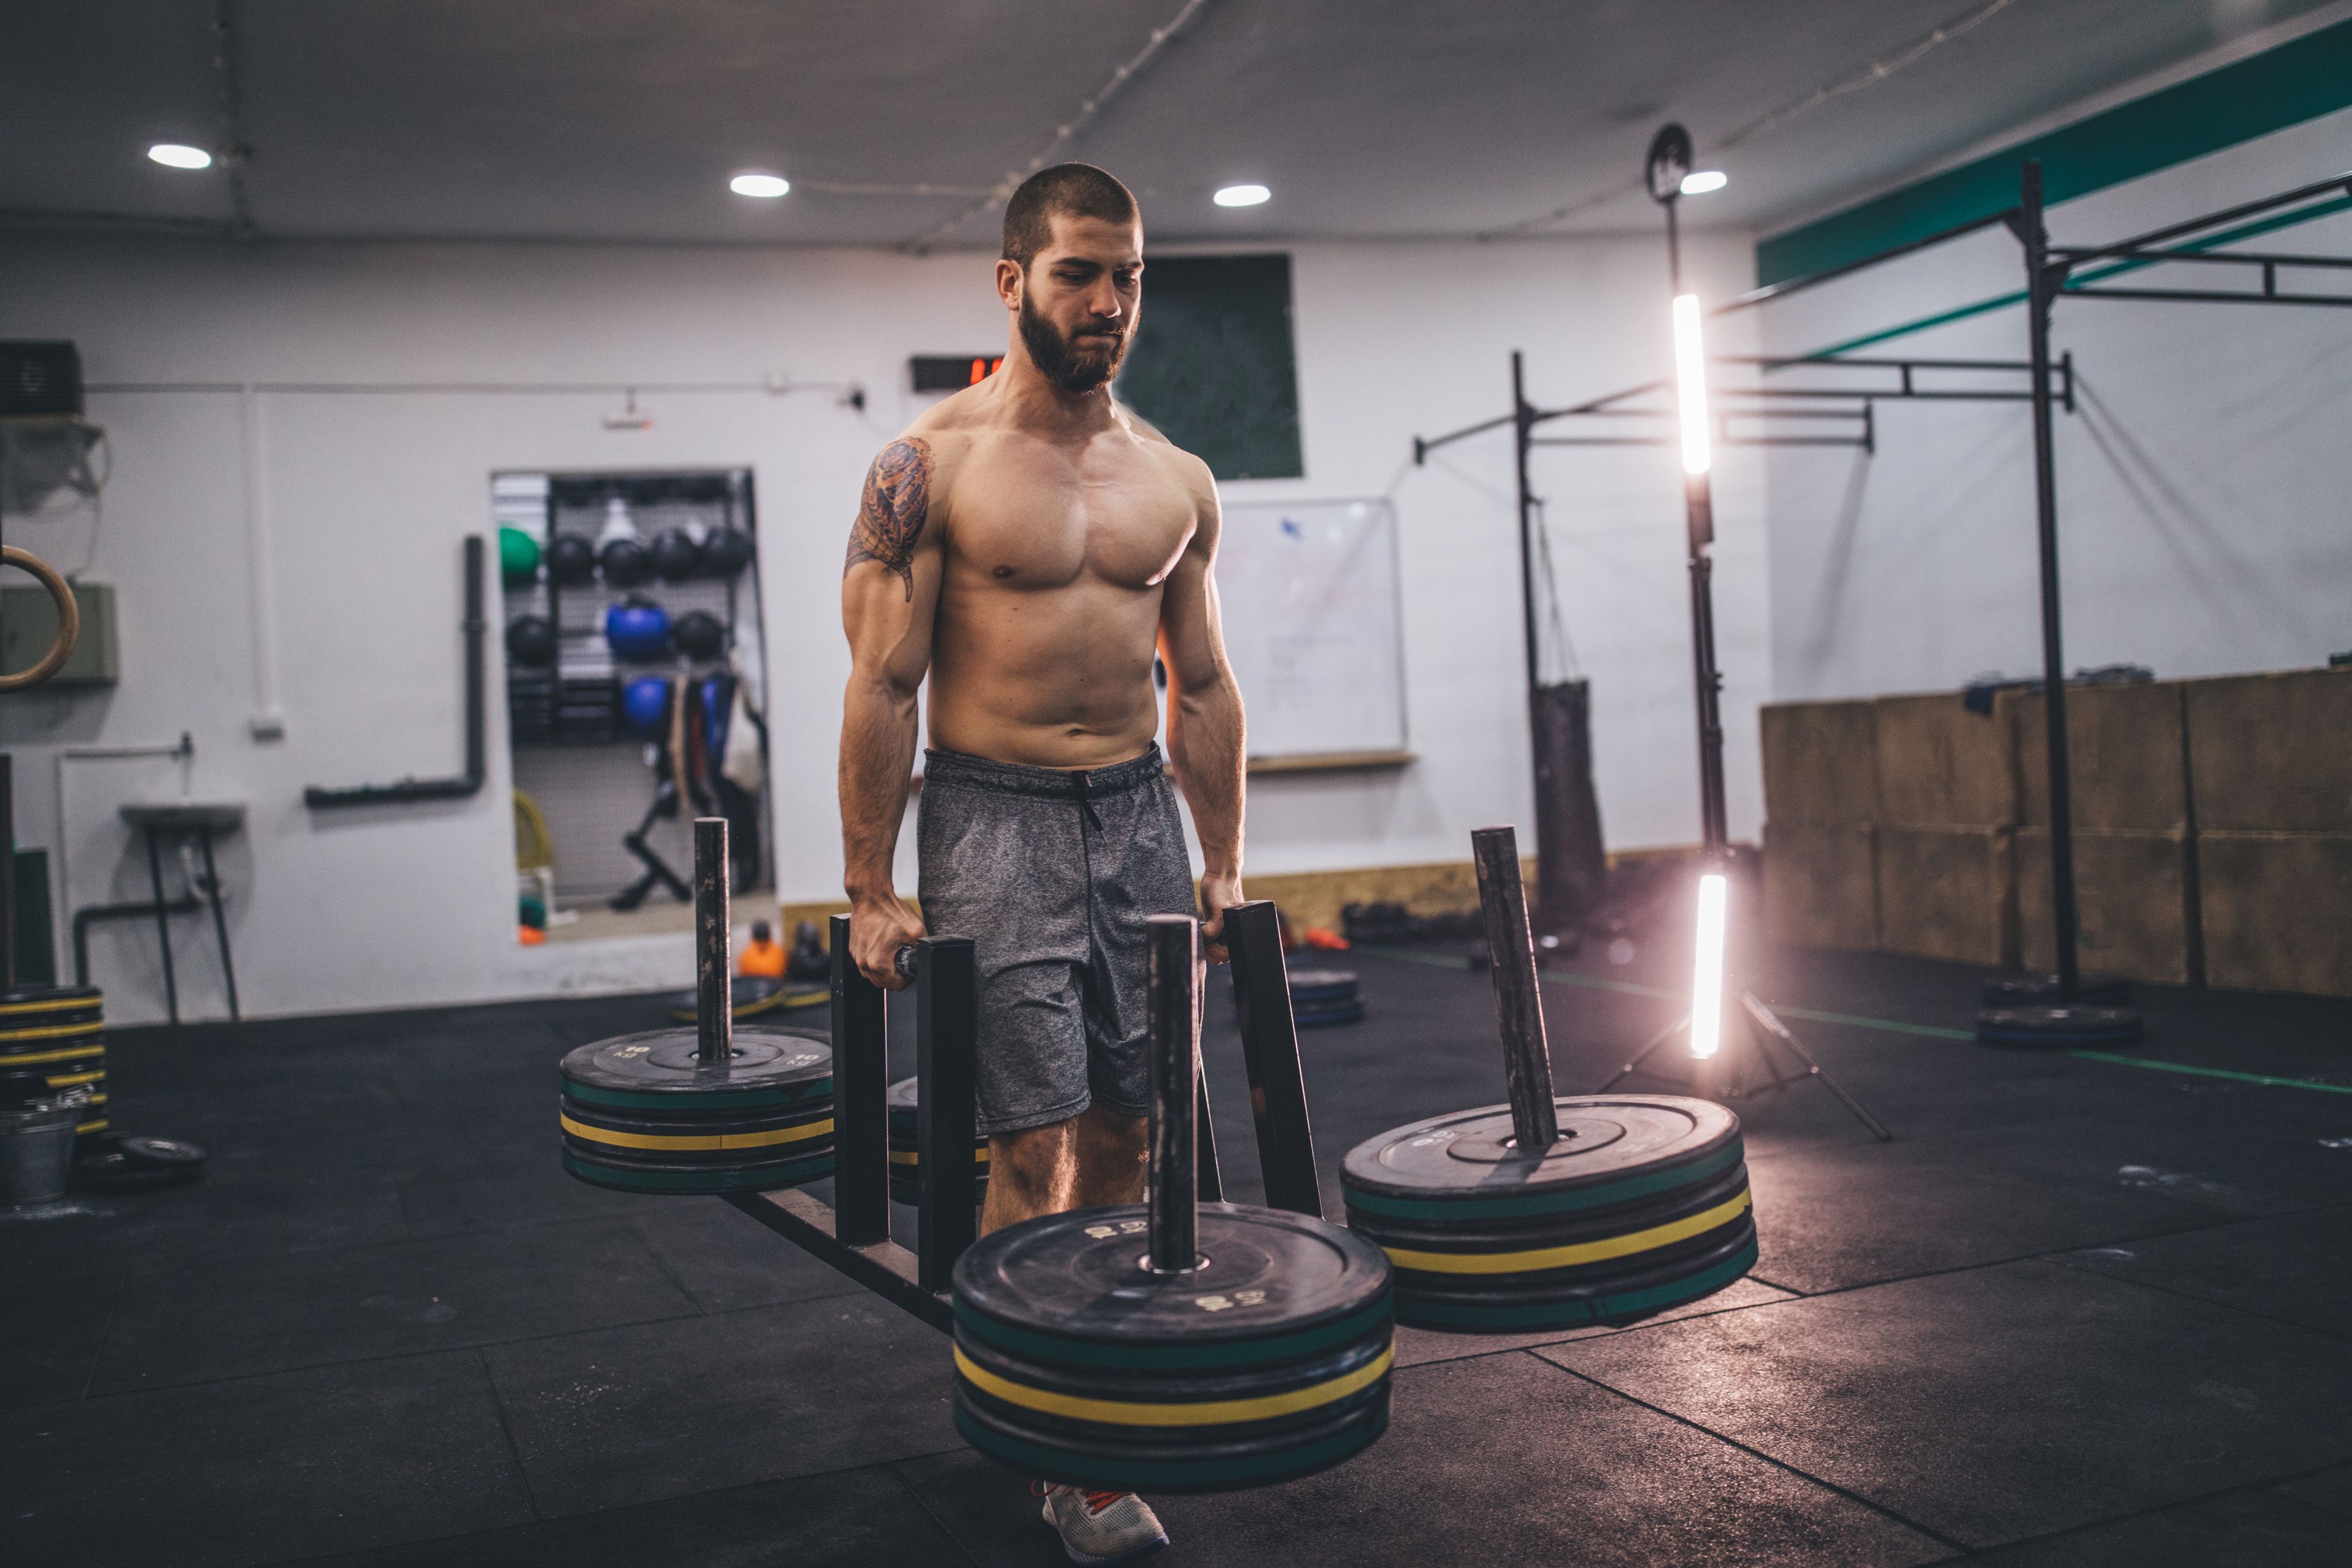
{"x":1060,"y":679}
{"x":1049,"y":609}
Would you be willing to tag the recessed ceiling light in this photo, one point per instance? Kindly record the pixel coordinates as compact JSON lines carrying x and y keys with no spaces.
{"x":1242,"y":195}
{"x":765,"y":186}
{"x":1704,"y":180}
{"x":175,"y":156}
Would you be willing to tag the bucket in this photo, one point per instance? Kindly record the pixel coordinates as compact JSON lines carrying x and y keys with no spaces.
{"x":37,"y":1141}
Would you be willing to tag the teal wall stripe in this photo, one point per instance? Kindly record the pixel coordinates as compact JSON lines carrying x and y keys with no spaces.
{"x":2298,"y":81}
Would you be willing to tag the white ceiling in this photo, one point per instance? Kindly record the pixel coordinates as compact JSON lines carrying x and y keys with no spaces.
{"x":621,"y":119}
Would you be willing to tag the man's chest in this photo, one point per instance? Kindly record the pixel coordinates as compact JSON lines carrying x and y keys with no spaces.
{"x":1038,"y":518}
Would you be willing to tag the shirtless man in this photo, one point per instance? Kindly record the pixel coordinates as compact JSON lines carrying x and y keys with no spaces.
{"x":1030,"y":545}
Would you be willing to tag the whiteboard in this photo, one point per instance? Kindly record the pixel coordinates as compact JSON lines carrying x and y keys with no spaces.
{"x":1313,"y":627}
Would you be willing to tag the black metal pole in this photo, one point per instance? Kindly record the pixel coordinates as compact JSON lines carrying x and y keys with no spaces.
{"x":947,"y":1041}
{"x":1286,"y":1141}
{"x":1673,"y":249}
{"x":220,"y":923}
{"x":1172,"y":1206}
{"x":1518,"y":1004}
{"x":1523,"y":423}
{"x":162,"y":926}
{"x":8,"y":873}
{"x":1699,"y":507}
{"x":714,"y":991}
{"x":1698,"y":514}
{"x":2041,"y":287}
{"x":1209,"y":1178}
{"x":861,"y":1112}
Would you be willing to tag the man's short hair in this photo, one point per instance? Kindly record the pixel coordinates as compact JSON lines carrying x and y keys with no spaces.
{"x":1079,"y":190}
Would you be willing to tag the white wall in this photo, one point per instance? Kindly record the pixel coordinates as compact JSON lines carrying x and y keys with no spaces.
{"x":328,"y":589}
{"x":2201,"y":485}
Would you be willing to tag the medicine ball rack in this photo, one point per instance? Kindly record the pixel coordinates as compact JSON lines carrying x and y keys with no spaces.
{"x":852,"y":1234}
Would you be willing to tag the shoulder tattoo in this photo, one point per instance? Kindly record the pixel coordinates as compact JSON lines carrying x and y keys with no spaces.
{"x":891,"y":514}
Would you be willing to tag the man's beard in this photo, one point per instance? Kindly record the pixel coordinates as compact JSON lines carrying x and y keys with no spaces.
{"x":1057,"y":357}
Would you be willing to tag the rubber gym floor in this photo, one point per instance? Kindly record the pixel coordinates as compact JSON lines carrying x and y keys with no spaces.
{"x":2084,"y":1309}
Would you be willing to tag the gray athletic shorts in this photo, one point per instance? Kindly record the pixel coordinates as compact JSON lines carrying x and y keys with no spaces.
{"x":1052,"y":875}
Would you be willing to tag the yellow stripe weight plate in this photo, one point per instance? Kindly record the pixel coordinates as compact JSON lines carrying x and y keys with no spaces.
{"x":54,"y":1031}
{"x":1565,"y":1256}
{"x":71,"y":1053}
{"x":46,"y":1005}
{"x":908,"y":1157}
{"x":1210,"y":1413}
{"x":694,"y":1142}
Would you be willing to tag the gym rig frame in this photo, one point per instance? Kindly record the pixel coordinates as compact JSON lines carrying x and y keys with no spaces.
{"x":2051,"y":272}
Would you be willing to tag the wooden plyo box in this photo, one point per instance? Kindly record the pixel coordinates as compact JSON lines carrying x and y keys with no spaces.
{"x":1821,"y":767}
{"x":1948,"y":892}
{"x":2272,"y":754}
{"x":2277,"y":911}
{"x":1820,"y":885}
{"x":2134,"y":903}
{"x":2126,"y":760}
{"x":1941,"y":765}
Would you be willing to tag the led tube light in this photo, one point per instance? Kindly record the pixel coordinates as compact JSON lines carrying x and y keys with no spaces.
{"x":1706,"y":983}
{"x":1690,"y":383}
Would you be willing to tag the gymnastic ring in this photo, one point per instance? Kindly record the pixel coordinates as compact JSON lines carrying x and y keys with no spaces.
{"x":69,"y":619}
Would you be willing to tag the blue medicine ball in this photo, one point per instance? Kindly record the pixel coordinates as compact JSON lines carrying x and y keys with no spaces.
{"x":637,"y":629}
{"x":645,"y":702}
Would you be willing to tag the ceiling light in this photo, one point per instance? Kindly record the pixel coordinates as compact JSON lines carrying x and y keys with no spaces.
{"x":175,"y":156}
{"x":1704,"y":180}
{"x":766,"y":186}
{"x":1242,"y":195}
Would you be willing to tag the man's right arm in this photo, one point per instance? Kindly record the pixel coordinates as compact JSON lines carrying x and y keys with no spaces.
{"x":890,"y":593}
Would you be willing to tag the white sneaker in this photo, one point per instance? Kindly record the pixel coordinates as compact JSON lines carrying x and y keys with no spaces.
{"x":1100,"y":1527}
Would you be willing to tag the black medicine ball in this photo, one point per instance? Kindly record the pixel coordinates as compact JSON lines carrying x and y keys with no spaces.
{"x":675,"y":555}
{"x":727,"y":552}
{"x":626,"y":563}
{"x":571,"y":559}
{"x":697,"y":634}
{"x":530,"y":642}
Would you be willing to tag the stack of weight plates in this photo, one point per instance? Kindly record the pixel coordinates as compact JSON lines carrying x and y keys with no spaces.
{"x":1642,"y":1205}
{"x":59,"y":1031}
{"x":906,"y":1162}
{"x":644,"y":1114}
{"x":1321,"y":996}
{"x":1076,"y":1363}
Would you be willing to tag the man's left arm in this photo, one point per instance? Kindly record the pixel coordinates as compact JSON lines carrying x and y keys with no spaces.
{"x":1205,"y":717}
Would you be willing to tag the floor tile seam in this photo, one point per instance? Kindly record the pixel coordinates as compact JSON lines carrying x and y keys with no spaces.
{"x":1938,"y":1537}
{"x":2051,"y":1255}
{"x":2240,"y":1490}
{"x":105,"y":1333}
{"x":703,"y":1308}
{"x":506,"y":1432}
{"x":923,"y":1503}
{"x":2180,"y":1294}
{"x":1580,"y":1336}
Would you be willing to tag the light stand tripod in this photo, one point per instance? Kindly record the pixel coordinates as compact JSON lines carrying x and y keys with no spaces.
{"x":1669,"y":161}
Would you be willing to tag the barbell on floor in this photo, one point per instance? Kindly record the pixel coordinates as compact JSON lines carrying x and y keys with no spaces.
{"x":1172,"y":1345}
{"x":1549,"y":1211}
{"x":700,"y":1110}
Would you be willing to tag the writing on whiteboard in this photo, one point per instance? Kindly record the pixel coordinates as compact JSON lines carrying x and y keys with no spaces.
{"x":1313,"y":625}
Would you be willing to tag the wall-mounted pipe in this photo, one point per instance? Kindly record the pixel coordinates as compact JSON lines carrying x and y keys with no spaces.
{"x":416,"y":789}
